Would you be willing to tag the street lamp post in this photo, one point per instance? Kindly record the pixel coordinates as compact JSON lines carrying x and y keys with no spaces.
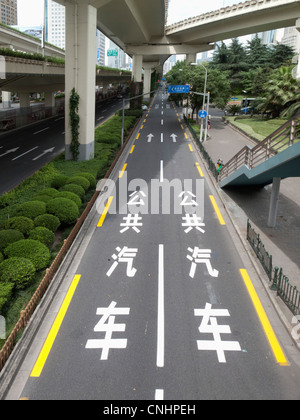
{"x":204,"y":95}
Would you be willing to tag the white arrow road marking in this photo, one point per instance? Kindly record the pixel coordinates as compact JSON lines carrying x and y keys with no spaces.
{"x":23,"y":154}
{"x":9,"y":151}
{"x":174,"y":137}
{"x":150,"y":137}
{"x":44,"y":153}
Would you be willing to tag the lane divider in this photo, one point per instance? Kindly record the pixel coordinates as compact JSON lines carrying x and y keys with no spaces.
{"x":269,"y":332}
{"x":199,"y":170}
{"x":123,"y":170}
{"x":105,"y":211}
{"x":216,"y":208}
{"x":42,"y":358}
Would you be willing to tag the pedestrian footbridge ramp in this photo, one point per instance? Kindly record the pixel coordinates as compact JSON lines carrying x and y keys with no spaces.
{"x":278,"y":156}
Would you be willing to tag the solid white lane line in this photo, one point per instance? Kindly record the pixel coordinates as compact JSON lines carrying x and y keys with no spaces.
{"x":160,"y":355}
{"x":28,"y":151}
{"x":161,"y":178}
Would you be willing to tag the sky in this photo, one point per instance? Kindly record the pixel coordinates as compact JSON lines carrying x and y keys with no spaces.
{"x":30,"y":12}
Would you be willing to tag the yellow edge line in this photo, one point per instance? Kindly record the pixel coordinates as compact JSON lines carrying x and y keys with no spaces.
{"x":123,"y":170}
{"x":132,"y":149}
{"x":186,"y":136}
{"x":39,"y":365}
{"x":103,"y":215}
{"x":191,"y":149}
{"x":137,"y":137}
{"x":220,"y":217}
{"x":275,"y":346}
{"x":199,"y":169}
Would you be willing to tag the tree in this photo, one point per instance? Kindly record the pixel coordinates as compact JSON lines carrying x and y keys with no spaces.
{"x":257,"y":53}
{"x":280,"y":91}
{"x":280,"y":55}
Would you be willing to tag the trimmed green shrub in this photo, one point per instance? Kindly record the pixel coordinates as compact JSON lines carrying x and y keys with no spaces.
{"x":20,"y":223}
{"x":89,"y":177}
{"x":76,"y":189}
{"x":52,"y":192}
{"x":19,"y":271}
{"x":31,"y":249}
{"x":30,"y":209}
{"x":43,"y":197}
{"x":63,"y":208}
{"x":71,"y":196}
{"x":80,"y":180}
{"x":59,"y":181}
{"x":42,"y":234}
{"x":6,"y":290}
{"x":48,"y":221}
{"x":1,"y":257}
{"x":8,"y":237}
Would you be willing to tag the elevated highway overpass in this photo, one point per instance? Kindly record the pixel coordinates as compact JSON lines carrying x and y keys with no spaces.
{"x":139,"y":27}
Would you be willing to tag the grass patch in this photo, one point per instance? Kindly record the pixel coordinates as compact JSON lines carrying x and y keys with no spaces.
{"x":255,"y":127}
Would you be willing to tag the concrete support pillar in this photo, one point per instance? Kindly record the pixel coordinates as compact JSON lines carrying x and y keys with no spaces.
{"x":147,"y":81}
{"x":6,"y":99}
{"x":191,"y":58}
{"x":274,"y":202}
{"x":137,"y":65}
{"x":49,"y":104}
{"x":81,"y":73}
{"x":24,"y":99}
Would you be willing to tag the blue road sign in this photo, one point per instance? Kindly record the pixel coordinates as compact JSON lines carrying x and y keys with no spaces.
{"x":178,"y":89}
{"x":202,"y":114}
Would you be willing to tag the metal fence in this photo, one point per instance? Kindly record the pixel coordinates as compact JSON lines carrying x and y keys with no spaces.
{"x":279,"y":281}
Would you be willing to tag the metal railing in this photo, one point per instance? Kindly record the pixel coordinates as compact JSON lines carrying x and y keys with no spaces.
{"x":276,"y":142}
{"x":279,"y":281}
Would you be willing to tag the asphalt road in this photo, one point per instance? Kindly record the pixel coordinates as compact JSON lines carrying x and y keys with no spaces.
{"x":26,"y":150}
{"x":161,"y":304}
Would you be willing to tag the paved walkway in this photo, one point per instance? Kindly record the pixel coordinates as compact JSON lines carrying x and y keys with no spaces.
{"x":283,"y":241}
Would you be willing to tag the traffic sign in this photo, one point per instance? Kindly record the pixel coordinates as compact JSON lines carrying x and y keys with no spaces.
{"x":178,"y":89}
{"x":112,"y":53}
{"x":202,"y":114}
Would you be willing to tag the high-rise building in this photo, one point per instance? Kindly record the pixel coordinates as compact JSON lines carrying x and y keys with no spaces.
{"x":9,"y":12}
{"x":55,"y":23}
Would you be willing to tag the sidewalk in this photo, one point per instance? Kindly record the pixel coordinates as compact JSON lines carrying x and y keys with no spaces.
{"x":283,"y":241}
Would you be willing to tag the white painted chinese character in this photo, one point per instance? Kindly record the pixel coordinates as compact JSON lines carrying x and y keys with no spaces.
{"x":136,"y":198}
{"x":107,"y":325}
{"x":131,"y":221}
{"x":186,"y":201}
{"x":201,"y":256}
{"x":191,"y":221}
{"x":125,"y":255}
{"x":209,"y":325}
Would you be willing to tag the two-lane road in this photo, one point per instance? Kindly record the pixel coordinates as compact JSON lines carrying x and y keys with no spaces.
{"x":161,"y":304}
{"x":24,"y":151}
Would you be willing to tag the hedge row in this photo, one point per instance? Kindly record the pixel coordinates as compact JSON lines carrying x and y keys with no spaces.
{"x":27,"y":236}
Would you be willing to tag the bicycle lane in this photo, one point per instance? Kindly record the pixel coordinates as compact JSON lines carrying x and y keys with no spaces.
{"x":132,"y":328}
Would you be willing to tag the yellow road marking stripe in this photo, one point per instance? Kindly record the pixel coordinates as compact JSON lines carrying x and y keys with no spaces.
{"x":123,"y":170}
{"x":275,"y":346}
{"x":215,"y":206}
{"x":199,"y":169}
{"x":137,"y":137}
{"x":191,"y":149}
{"x":132,"y":149}
{"x":39,"y":365}
{"x":103,"y":215}
{"x":185,"y":135}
